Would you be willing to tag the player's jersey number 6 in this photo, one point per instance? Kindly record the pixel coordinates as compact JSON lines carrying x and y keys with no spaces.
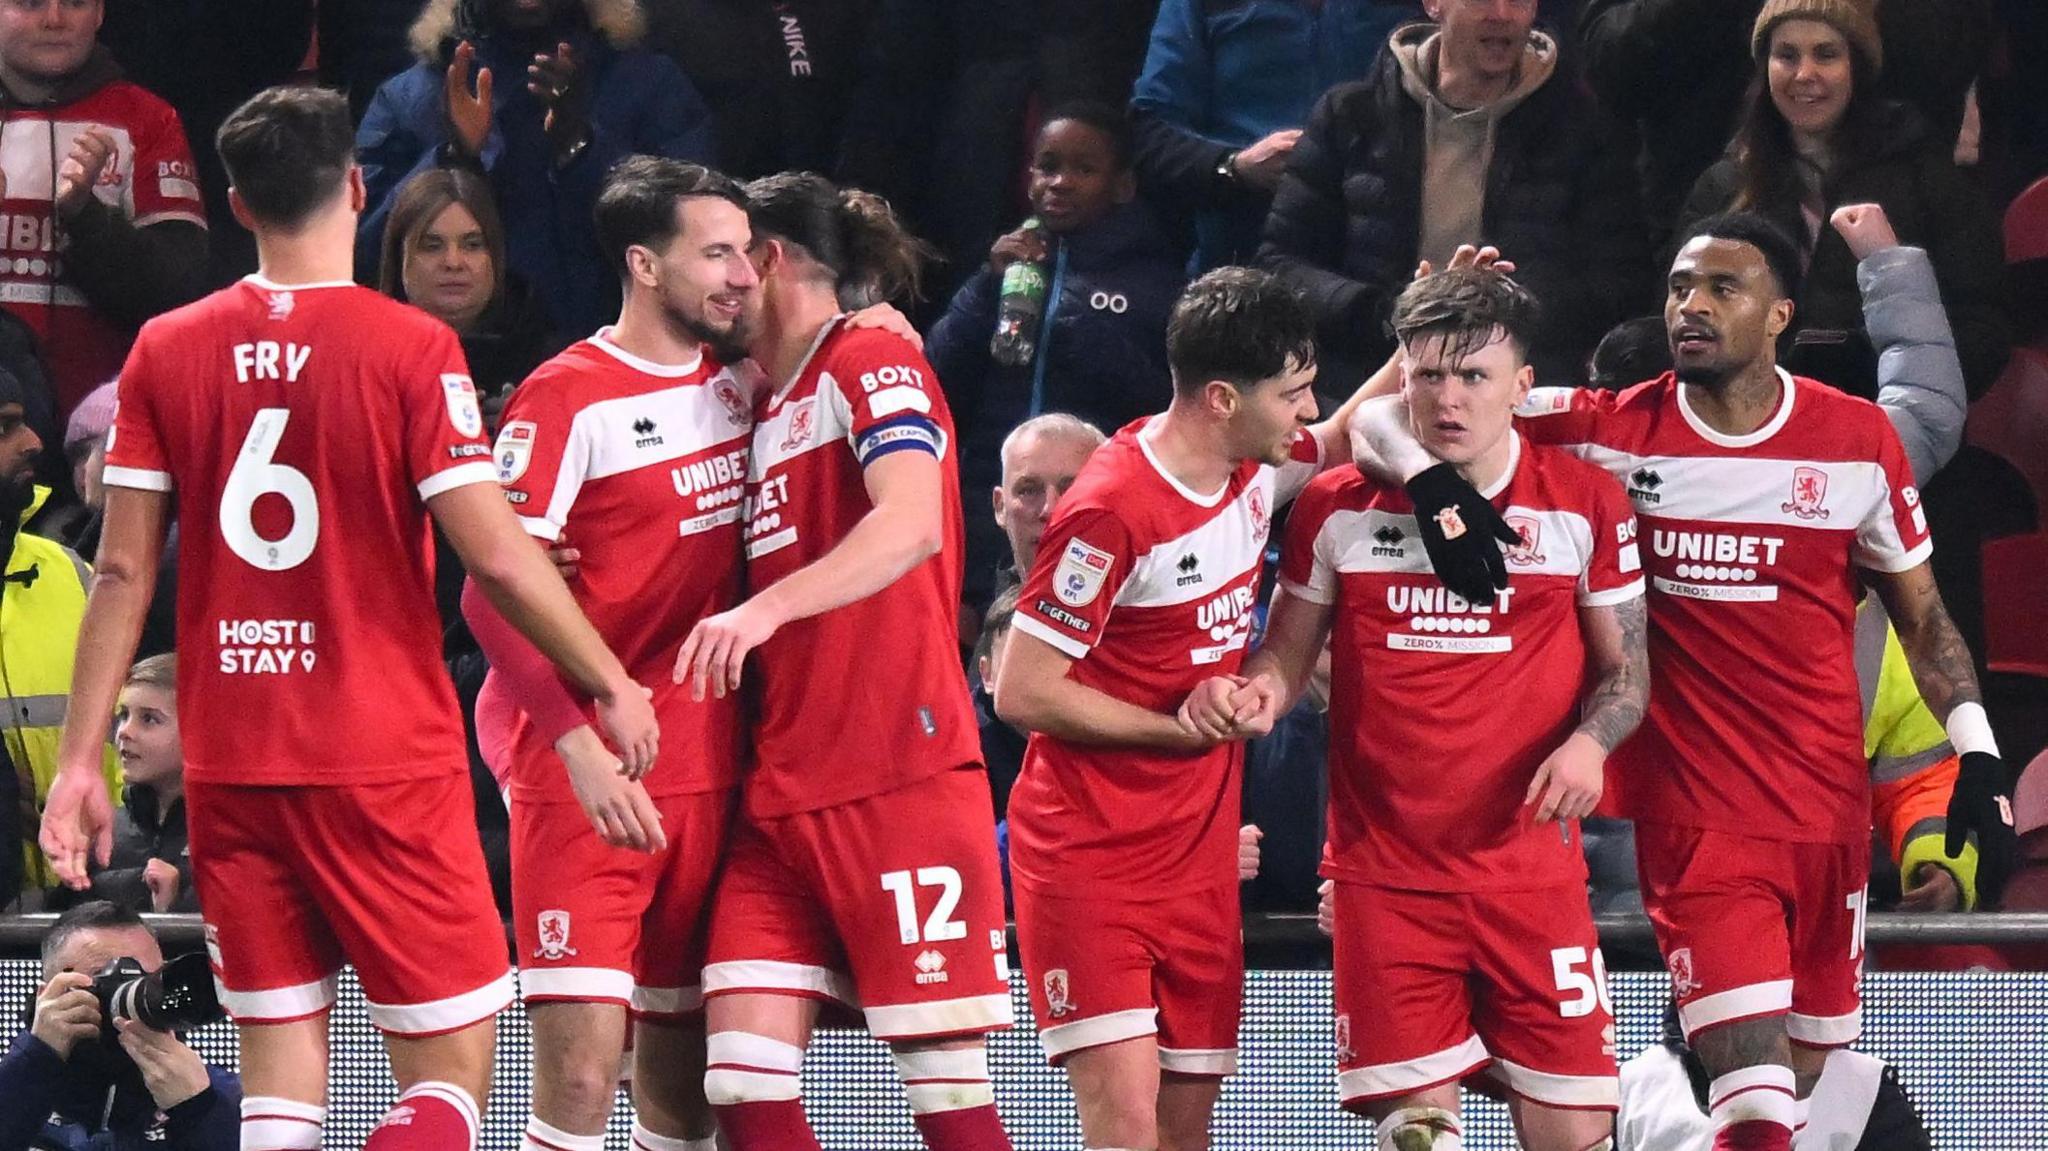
{"x":255,"y":475}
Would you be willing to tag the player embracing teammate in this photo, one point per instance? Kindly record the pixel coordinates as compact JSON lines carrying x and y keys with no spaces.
{"x":1124,"y":824}
{"x":1464,"y":943}
{"x":1765,"y":501}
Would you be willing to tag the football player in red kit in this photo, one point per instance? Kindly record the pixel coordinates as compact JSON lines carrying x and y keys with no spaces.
{"x":634,"y":443}
{"x":306,"y":427}
{"x":1464,"y":943}
{"x":863,"y":873}
{"x":1124,"y":827}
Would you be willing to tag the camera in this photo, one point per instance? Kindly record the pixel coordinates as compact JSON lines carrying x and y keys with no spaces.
{"x":179,"y":996}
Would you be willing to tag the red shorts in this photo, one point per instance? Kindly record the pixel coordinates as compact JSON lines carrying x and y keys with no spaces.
{"x":1103,"y":971}
{"x":1435,"y":987}
{"x":891,"y":905}
{"x":295,"y":881}
{"x":602,"y":924}
{"x":1755,"y":927}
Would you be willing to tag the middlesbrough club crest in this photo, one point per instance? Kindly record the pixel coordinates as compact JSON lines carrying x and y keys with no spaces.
{"x":554,"y":936}
{"x":1809,"y":491}
{"x":1528,"y":552}
{"x":801,"y":418}
{"x":1683,"y":981}
{"x":728,"y":394}
{"x":1255,"y":500}
{"x":1057,"y":1003}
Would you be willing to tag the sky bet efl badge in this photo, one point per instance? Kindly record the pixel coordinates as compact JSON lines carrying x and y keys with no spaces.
{"x":463,"y":411}
{"x":515,"y":450}
{"x":1079,"y":578}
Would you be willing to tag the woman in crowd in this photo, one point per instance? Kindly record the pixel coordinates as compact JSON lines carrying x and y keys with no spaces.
{"x":444,"y":252}
{"x":1814,"y":136}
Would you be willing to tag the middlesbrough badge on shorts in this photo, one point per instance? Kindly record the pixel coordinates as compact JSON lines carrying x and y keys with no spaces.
{"x":1079,"y":578}
{"x":554,"y":936}
{"x":1056,"y":1001}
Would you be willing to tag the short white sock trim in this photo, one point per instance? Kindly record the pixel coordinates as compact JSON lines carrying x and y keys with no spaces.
{"x":544,"y":1136}
{"x":745,"y":1068}
{"x":462,"y":1101}
{"x":645,"y":1140}
{"x":1448,"y":1127}
{"x":272,"y":1124}
{"x":1763,"y":1092}
{"x":936,"y":1081}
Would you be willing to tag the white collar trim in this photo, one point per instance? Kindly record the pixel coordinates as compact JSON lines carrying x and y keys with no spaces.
{"x":602,"y":340}
{"x":1749,"y":439}
{"x":1191,"y":495}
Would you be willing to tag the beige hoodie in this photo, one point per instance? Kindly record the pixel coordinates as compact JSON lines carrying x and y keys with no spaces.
{"x":1457,"y":144}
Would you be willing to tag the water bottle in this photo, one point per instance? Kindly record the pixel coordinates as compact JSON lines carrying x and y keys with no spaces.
{"x":1017,"y":317}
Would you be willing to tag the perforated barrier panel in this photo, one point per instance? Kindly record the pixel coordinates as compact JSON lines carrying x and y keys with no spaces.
{"x":1971,"y":1049}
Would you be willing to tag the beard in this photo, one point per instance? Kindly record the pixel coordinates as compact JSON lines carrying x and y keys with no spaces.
{"x":728,"y":343}
{"x":1708,"y":376}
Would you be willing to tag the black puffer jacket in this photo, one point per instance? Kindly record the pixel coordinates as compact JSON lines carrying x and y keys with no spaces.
{"x":1561,"y":202}
{"x":1931,"y":205}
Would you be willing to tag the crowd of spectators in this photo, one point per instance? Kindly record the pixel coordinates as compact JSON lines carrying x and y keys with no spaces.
{"x":1337,"y":142}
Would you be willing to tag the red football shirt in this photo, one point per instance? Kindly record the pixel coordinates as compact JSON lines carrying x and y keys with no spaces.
{"x":302,"y":428}
{"x":641,"y":465}
{"x":1150,"y":588}
{"x":868,"y":697}
{"x":149,"y":178}
{"x":1427,"y":769}
{"x":1751,"y":545}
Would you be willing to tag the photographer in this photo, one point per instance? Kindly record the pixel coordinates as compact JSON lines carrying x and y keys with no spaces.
{"x":69,"y":1082}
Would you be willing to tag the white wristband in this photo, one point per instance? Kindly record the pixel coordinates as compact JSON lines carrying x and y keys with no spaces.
{"x":1969,"y":729}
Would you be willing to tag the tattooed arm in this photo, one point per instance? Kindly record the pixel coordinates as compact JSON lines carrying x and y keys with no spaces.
{"x":1941,"y":663}
{"x":1570,"y":782}
{"x":1616,"y":639}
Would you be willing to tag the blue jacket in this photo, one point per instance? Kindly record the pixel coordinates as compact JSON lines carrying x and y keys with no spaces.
{"x":1223,"y":74}
{"x":44,"y":1104}
{"x":1101,"y":353}
{"x":640,"y":103}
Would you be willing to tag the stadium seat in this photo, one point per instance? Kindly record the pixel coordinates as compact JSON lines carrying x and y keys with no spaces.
{"x":2011,"y":420}
{"x":2026,"y":224}
{"x":2015,"y":587}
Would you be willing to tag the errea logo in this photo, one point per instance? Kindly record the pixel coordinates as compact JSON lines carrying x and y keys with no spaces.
{"x":1387,"y":542}
{"x":644,"y":429}
{"x":931,"y":968}
{"x":1643,"y":484}
{"x":1189,"y":571}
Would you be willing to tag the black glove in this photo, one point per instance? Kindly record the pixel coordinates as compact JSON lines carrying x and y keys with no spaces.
{"x":1980,"y":805}
{"x":1462,"y":533}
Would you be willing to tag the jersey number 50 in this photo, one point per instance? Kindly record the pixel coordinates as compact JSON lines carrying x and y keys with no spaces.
{"x":255,"y":475}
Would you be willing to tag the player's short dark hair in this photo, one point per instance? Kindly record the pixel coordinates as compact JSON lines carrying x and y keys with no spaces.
{"x":637,"y":204}
{"x":1109,"y":119}
{"x":98,"y":915}
{"x":1632,"y":351}
{"x":1467,"y":309}
{"x":1002,"y":612}
{"x":1238,"y":325}
{"x":287,"y":151}
{"x":1776,"y":245}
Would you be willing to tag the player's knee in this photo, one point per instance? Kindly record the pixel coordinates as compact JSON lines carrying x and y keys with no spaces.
{"x":582,"y":1085}
{"x":743,"y":1068}
{"x":941,"y":1080}
{"x":1422,"y":1129}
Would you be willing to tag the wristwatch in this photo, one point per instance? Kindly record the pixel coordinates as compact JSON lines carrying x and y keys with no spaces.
{"x":1226,"y":170}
